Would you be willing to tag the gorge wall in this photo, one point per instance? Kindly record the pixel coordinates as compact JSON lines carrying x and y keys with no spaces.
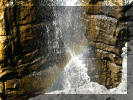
{"x":106,"y":35}
{"x":28,"y":61}
{"x":28,"y":58}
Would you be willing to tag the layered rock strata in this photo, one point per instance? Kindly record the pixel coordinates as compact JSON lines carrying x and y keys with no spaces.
{"x":106,"y":36}
{"x":29,"y":59}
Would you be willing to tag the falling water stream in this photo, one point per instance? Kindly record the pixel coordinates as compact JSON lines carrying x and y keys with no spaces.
{"x":74,"y":78}
{"x":69,"y":23}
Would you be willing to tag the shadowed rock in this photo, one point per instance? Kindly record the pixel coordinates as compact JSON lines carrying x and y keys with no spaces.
{"x":30,"y":62}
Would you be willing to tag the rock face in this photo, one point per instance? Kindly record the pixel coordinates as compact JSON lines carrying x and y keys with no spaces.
{"x":29,"y":62}
{"x":107,"y":37}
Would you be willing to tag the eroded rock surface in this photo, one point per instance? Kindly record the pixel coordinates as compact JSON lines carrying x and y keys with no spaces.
{"x":29,"y":62}
{"x":27,"y":58}
{"x":106,"y":36}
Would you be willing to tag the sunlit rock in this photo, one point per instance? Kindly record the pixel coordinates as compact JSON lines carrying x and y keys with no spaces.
{"x":29,"y":59}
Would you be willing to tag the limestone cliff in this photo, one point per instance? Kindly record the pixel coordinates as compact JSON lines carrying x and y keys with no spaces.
{"x":105,"y":35}
{"x":28,"y":59}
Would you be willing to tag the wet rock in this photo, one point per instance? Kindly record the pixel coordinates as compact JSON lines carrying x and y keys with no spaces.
{"x":104,"y":34}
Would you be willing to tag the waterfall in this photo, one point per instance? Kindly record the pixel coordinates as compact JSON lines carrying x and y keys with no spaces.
{"x":74,"y":78}
{"x":69,"y":23}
